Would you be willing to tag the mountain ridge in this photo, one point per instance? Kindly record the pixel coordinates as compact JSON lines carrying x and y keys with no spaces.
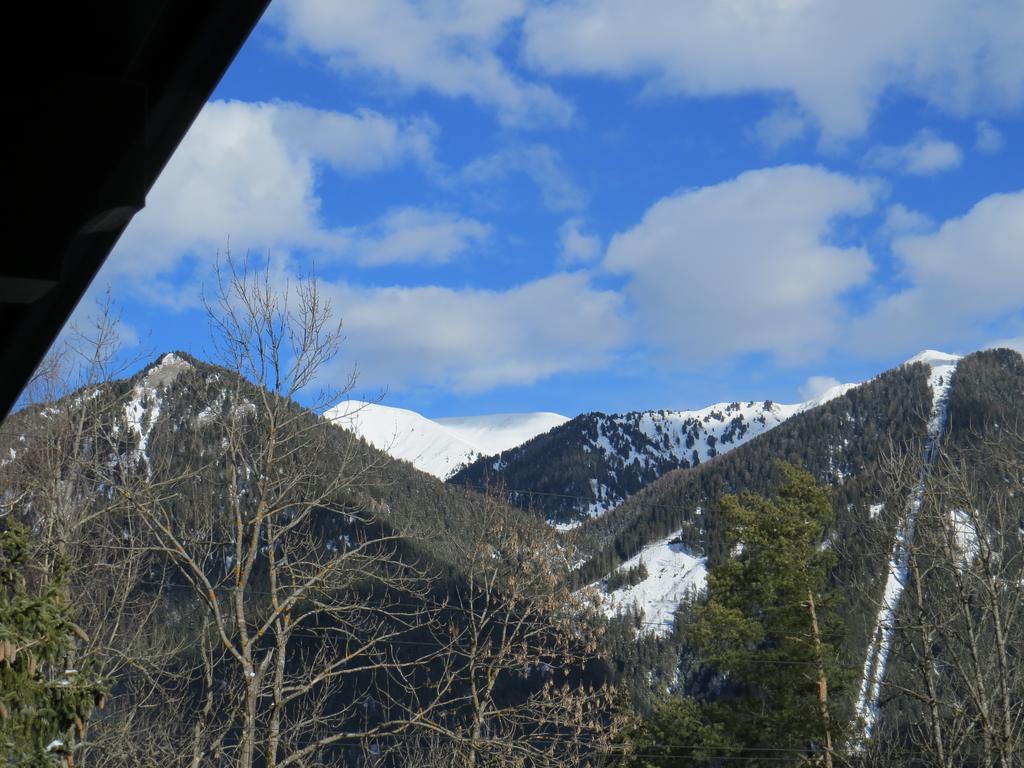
{"x":163,"y":412}
{"x":589,"y":465}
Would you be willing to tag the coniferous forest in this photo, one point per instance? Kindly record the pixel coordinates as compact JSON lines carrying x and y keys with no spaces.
{"x":197,"y":568}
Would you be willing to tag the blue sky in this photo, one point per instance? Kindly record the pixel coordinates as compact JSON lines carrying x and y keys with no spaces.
{"x":598,"y":205}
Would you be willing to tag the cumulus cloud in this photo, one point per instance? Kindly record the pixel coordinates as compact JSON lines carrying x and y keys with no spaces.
{"x":988,"y":139}
{"x":542,"y":164}
{"x":836,"y":59}
{"x":361,"y":142}
{"x":576,"y":246}
{"x":966,"y":273}
{"x":447,"y":47}
{"x":924,"y":155}
{"x":779,"y":128}
{"x":415,"y":234}
{"x":248,"y":171}
{"x":746,"y":265}
{"x":900,"y":220}
{"x":471,"y":339}
{"x":816,"y":386}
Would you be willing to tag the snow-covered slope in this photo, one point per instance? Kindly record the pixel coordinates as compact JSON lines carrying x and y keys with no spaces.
{"x":673,"y":573}
{"x":440,"y":446}
{"x":501,"y":431}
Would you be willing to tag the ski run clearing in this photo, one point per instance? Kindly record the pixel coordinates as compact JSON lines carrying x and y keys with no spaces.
{"x":943,"y":366}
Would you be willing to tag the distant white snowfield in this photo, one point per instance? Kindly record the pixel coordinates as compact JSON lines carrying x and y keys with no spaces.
{"x":440,"y":446}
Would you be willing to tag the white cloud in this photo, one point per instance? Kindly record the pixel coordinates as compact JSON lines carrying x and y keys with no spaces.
{"x":1016,"y":343}
{"x":414,"y":234}
{"x":247,"y":171}
{"x":449,"y":47}
{"x":779,"y":128}
{"x":816,"y":386}
{"x":362,"y":142}
{"x":576,"y":246}
{"x":835,"y":58}
{"x":966,"y":273}
{"x":988,"y":139}
{"x":924,"y":155}
{"x":472,"y":340}
{"x":900,"y":220}
{"x":746,"y":265}
{"x":541,"y":163}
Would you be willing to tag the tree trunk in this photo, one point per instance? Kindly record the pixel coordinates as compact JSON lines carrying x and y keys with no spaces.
{"x":826,"y":718}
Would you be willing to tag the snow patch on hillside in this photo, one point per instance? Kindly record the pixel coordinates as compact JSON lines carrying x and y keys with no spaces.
{"x":572,"y":525}
{"x":142,"y":408}
{"x":965,"y":535}
{"x":673,"y":574}
{"x":439,"y":446}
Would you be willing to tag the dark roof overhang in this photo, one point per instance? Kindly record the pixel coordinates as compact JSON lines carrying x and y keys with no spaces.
{"x":99,"y":94}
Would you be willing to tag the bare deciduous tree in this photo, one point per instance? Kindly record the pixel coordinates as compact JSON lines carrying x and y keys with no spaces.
{"x":249,"y":598}
{"x":301,"y":594}
{"x":959,"y":631}
{"x":511,"y":687}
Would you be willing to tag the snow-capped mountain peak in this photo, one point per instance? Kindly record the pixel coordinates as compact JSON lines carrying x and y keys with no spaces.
{"x":439,"y":446}
{"x":142,"y":409}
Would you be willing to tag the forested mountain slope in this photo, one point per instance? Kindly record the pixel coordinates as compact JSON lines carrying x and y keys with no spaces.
{"x":840,"y":443}
{"x":286,"y":589}
{"x":147,"y":485}
{"x":163,"y":416}
{"x":674,"y":524}
{"x":925,"y":464}
{"x":957,"y":615}
{"x":589,"y":465}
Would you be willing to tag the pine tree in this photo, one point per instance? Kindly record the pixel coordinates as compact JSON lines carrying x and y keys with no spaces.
{"x":43,"y":702}
{"x":769,"y":625}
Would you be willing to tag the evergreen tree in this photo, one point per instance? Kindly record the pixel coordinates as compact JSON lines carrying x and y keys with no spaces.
{"x":44,"y":702}
{"x":769,"y":625}
{"x":676,"y":735}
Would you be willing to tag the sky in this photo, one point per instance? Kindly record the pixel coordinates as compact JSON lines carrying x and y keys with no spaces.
{"x":595,"y":205}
